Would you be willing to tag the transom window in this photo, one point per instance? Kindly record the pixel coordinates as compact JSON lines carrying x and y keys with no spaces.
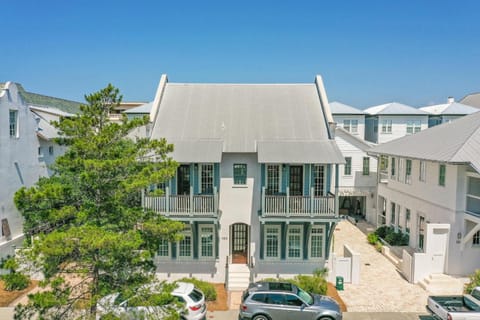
{"x":473,"y":195}
{"x":185,"y":246}
{"x":13,"y":123}
{"x":348,"y":166}
{"x":350,"y":125}
{"x":386,"y":126}
{"x":476,"y":239}
{"x":273,"y":179}
{"x":206,"y":178}
{"x":207,"y":241}
{"x":318,"y":180}
{"x":294,"y":242}
{"x":240,"y":173}
{"x":413,"y":126}
{"x":408,"y":171}
{"x":366,"y":166}
{"x":272,"y":242}
{"x":423,"y":171}
{"x":441,"y":175}
{"x":316,"y":242}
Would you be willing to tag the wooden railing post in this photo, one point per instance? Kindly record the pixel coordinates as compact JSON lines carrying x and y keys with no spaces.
{"x":288,"y":202}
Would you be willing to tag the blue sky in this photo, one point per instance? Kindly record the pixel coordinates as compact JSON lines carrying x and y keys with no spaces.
{"x":368,"y":52}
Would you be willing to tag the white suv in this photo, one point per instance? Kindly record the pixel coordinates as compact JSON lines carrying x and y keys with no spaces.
{"x":186,"y":293}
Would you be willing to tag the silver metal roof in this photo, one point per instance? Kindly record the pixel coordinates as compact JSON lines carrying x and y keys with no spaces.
{"x":144,"y":108}
{"x":472,"y":100}
{"x":453,"y":108}
{"x":299,"y":152}
{"x":353,"y":139}
{"x":340,"y":108}
{"x":240,"y":115}
{"x":394,"y":108}
{"x":201,"y":151}
{"x":454,"y":142}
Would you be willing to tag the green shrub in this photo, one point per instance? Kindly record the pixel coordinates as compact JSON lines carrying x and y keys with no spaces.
{"x":15,"y":281}
{"x":378,"y":246}
{"x":382,"y":231}
{"x":315,"y":283}
{"x":207,"y":288}
{"x":372,"y":238}
{"x":474,"y":281}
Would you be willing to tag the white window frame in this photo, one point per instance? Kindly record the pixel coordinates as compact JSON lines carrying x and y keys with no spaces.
{"x":442,"y":183}
{"x":350,"y":125}
{"x":423,"y":171}
{"x":268,"y":177}
{"x":345,"y":166}
{"x":169,"y":250}
{"x":470,"y":195}
{"x":310,"y":242}
{"x":366,"y":166}
{"x":476,"y":239}
{"x":393,"y":214}
{"x":393,"y":167}
{"x":414,"y":126}
{"x":408,"y":171}
{"x":401,"y":165}
{"x":278,"y":232}
{"x":200,"y":234}
{"x":187,"y":232}
{"x":298,"y":228}
{"x":50,"y":150}
{"x":387,"y":126}
{"x":202,"y":183}
{"x":13,"y":126}
{"x":408,"y":217}
{"x":319,"y":185}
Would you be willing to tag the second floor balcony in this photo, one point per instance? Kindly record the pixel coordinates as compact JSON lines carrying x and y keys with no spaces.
{"x":286,"y":205}
{"x":187,"y":206}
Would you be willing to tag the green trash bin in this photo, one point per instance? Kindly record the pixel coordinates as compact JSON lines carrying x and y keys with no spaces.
{"x":339,"y":283}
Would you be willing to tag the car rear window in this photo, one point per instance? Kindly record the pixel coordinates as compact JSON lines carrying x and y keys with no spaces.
{"x":196,"y":295}
{"x":259,"y":297}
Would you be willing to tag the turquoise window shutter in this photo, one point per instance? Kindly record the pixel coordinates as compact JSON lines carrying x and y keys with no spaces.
{"x":262,"y":175}
{"x":194,"y":177}
{"x":216,"y":175}
{"x":285,"y":177}
{"x":196,"y":240}
{"x":329,"y":177}
{"x":307,"y":180}
{"x":283,"y":244}
{"x":173,"y":183}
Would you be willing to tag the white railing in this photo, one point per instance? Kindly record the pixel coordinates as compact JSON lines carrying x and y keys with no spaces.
{"x":182,"y":205}
{"x":297,"y":206}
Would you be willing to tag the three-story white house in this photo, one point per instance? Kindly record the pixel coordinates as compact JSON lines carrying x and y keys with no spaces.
{"x":431,"y":191}
{"x":255,"y":182}
{"x":393,"y":120}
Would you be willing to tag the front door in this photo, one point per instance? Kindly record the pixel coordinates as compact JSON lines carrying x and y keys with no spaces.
{"x":183,"y":179}
{"x":296,"y":180}
{"x":239,"y":236}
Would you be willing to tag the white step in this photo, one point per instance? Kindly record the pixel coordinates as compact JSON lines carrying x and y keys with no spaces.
{"x":238,"y":277}
{"x":442,"y":284}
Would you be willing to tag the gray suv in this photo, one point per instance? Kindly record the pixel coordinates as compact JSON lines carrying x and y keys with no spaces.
{"x":285,"y":301}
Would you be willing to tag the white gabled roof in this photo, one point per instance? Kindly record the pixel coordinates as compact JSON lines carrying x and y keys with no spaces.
{"x":340,"y":108}
{"x":453,"y":108}
{"x":454,"y":142}
{"x":394,"y":108}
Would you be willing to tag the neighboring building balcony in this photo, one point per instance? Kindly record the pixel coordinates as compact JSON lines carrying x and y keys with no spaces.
{"x":287,"y":206}
{"x":183,"y":206}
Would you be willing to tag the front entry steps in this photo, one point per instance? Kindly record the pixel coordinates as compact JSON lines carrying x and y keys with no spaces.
{"x":442,"y":284}
{"x":238,"y":277}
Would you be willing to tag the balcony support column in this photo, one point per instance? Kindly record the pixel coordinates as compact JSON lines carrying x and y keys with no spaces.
{"x":263,"y":201}
{"x":191,"y":201}
{"x":312,"y":190}
{"x":167,"y":201}
{"x":288,"y":202}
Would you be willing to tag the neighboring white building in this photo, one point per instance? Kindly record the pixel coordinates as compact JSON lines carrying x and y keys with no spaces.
{"x":358,"y":176}
{"x":442,"y":113}
{"x":393,"y":120}
{"x":255,"y":182}
{"x":431,"y":191}
{"x":26,"y":148}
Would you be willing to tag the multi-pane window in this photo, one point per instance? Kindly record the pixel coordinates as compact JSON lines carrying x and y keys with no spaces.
{"x":383,"y":163}
{"x":392,"y":168}
{"x":348,"y":166}
{"x":441,"y":174}
{"x":13,"y":123}
{"x":476,"y":239}
{"x":392,"y":214}
{"x":316,"y":242}
{"x":318,"y":180}
{"x":240,"y":173}
{"x":294,"y":242}
{"x":366,"y":166}
{"x":185,"y":246}
{"x":401,"y":164}
{"x":408,"y":171}
{"x":350,"y":125}
{"x":423,"y":171}
{"x":386,"y":126}
{"x":206,"y":178}
{"x":207,"y":241}
{"x":164,"y":248}
{"x":413,"y":126}
{"x":407,"y":220}
{"x":50,"y":150}
{"x":473,"y":195}
{"x":273,"y":179}
{"x":272,"y":242}
{"x":421,"y":231}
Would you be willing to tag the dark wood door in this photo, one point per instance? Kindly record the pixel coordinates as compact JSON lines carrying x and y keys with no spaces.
{"x":239,"y":243}
{"x":296,"y":180}
{"x":183,"y":179}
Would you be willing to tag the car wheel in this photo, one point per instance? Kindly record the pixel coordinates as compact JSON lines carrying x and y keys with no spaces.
{"x":260,"y":317}
{"x":325,"y":318}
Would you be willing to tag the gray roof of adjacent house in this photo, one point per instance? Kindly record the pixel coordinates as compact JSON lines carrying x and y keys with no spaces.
{"x":472,"y":100}
{"x":394,"y":108}
{"x":144,"y":108}
{"x":354,"y":140}
{"x":453,"y":108}
{"x":340,"y":108}
{"x":454,"y":142}
{"x":41,"y":100}
{"x":279,"y":121}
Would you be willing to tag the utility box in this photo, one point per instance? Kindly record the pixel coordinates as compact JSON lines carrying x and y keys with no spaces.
{"x":339,"y":283}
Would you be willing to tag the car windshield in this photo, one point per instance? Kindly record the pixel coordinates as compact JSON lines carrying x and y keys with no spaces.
{"x":195,"y":295}
{"x":476,"y":293}
{"x":305,"y":296}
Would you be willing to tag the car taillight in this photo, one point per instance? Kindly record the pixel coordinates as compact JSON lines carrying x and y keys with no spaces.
{"x":449,"y":317}
{"x":244,"y":307}
{"x":195,"y":308}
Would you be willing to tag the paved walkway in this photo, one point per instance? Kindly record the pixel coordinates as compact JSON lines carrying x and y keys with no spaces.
{"x":381,"y":287}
